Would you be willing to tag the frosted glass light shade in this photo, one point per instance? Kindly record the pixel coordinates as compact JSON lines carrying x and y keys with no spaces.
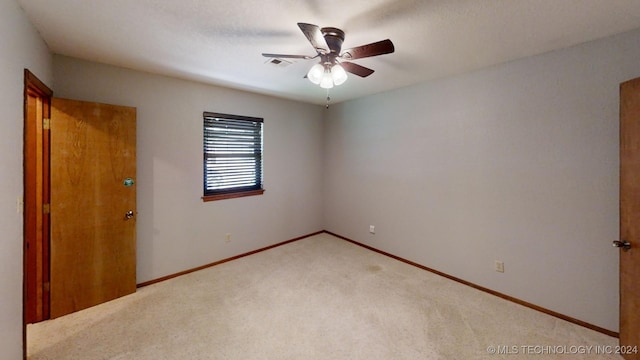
{"x":338,"y":74}
{"x":316,"y":73}
{"x":327,"y":81}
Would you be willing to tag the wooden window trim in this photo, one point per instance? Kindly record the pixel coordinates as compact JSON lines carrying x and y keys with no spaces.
{"x":232,"y":195}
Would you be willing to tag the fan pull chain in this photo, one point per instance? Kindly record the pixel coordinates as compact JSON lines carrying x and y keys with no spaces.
{"x":328,"y":99}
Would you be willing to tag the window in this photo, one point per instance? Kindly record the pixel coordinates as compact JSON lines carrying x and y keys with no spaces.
{"x":232,"y":156}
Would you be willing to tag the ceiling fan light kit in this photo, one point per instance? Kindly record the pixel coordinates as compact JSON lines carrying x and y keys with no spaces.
{"x":338,"y":75}
{"x":326,"y":82}
{"x":332,"y":69}
{"x":326,"y":75}
{"x":316,"y":73}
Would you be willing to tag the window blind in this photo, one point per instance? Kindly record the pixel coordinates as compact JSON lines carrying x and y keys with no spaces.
{"x":232,"y":153}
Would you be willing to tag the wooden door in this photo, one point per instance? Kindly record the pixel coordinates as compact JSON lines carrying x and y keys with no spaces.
{"x":630,"y":218}
{"x":93,"y":171}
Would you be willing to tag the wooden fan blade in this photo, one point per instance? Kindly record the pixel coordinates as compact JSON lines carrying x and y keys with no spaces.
{"x":315,"y":37}
{"x":373,"y":49}
{"x":283,"y":56}
{"x":356,"y":69}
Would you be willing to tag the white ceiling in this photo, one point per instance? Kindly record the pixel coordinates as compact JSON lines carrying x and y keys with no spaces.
{"x":221,"y":41}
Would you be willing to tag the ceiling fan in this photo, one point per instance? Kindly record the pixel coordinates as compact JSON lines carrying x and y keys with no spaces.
{"x":334,"y":65}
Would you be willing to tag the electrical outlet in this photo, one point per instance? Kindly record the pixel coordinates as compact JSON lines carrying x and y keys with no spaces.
{"x":20,"y":204}
{"x":372,"y":229}
{"x":499,"y":266}
{"x":227,"y":238}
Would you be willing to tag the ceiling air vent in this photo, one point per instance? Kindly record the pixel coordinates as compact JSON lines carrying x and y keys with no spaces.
{"x":278,"y":62}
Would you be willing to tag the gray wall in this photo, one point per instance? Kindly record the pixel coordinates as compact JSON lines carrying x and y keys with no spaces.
{"x":517,"y":162}
{"x":20,"y":47}
{"x":176,"y":230}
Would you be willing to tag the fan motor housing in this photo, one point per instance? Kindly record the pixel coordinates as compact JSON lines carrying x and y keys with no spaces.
{"x":334,"y":38}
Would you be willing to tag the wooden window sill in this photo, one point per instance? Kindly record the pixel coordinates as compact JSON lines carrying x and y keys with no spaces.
{"x":232,"y":195}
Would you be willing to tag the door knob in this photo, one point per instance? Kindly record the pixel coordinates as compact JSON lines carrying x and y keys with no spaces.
{"x":128,"y":215}
{"x":625,"y":245}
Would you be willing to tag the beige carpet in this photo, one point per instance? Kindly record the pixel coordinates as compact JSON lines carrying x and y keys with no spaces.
{"x":317,"y":298}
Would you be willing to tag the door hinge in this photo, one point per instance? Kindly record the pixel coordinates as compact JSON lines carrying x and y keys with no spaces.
{"x":46,"y":208}
{"x":47,"y":286}
{"x":46,"y":124}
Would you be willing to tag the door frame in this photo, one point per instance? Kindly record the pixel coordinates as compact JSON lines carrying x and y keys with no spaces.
{"x":36,"y":190}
